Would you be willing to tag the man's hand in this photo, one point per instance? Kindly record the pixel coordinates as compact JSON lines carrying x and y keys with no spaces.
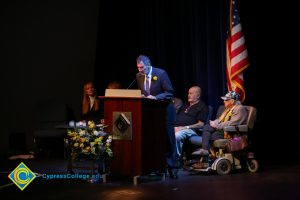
{"x":179,"y":128}
{"x":213,"y":123}
{"x":151,"y":97}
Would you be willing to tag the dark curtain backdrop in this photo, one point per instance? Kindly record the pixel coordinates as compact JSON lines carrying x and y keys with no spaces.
{"x":50,"y":49}
{"x":187,"y":39}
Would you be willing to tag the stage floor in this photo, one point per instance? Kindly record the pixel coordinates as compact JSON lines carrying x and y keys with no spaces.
{"x":271,"y":182}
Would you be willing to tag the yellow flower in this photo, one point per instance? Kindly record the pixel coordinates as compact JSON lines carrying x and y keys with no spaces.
{"x":154,"y":78}
{"x":91,"y":142}
{"x":82,"y":140}
{"x":91,"y":124}
{"x":88,"y":149}
{"x":100,"y":138}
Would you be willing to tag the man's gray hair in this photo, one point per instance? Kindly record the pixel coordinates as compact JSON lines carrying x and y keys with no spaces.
{"x":145,"y":60}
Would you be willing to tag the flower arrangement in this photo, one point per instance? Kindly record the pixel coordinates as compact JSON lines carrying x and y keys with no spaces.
{"x":90,"y":142}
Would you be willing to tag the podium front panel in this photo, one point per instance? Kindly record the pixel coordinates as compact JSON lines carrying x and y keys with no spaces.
{"x":145,"y":151}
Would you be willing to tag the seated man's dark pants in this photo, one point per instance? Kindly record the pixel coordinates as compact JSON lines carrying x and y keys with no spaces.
{"x":210,"y":134}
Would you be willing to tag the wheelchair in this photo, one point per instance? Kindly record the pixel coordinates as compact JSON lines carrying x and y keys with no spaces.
{"x":224,"y":160}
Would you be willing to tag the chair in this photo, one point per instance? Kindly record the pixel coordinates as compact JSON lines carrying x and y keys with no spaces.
{"x":232,"y":153}
{"x":197,"y":140}
{"x":177,"y":103}
{"x":235,"y":153}
{"x":194,"y":141}
{"x":49,"y":115}
{"x":245,"y":129}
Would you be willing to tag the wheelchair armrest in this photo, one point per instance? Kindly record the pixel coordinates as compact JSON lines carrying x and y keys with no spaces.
{"x":239,"y":128}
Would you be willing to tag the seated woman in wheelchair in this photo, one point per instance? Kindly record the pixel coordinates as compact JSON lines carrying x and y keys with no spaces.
{"x":234,"y":114}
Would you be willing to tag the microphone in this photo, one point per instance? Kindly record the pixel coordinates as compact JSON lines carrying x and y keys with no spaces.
{"x":131,"y":84}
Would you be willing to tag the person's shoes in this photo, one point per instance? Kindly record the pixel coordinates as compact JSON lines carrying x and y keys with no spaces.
{"x":188,"y":164}
{"x":200,"y":165}
{"x":192,"y":161}
{"x":200,"y":152}
{"x":173,"y":173}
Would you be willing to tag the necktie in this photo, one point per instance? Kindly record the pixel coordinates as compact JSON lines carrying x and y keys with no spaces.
{"x":147,"y":86}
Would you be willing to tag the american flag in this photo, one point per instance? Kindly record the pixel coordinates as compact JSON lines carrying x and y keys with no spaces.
{"x":236,"y":53}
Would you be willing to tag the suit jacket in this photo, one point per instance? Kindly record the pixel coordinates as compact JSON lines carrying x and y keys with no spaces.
{"x":161,"y":86}
{"x":238,"y":117}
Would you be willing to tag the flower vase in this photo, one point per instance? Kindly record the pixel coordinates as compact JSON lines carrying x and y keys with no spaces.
{"x":95,"y":177}
{"x":104,"y":165}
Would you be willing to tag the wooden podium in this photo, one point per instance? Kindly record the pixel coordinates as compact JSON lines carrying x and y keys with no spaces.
{"x":139,"y":140}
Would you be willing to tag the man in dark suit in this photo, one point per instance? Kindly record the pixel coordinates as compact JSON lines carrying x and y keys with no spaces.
{"x":154,"y":83}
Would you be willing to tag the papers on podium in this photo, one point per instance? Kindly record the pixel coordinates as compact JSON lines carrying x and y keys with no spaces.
{"x":123,"y":93}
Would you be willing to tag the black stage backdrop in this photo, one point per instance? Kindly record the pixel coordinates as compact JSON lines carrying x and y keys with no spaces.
{"x":187,"y":39}
{"x":49,"y":48}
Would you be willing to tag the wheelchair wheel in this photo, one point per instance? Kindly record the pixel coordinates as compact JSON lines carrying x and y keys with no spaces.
{"x":223,"y":167}
{"x":252,"y":165}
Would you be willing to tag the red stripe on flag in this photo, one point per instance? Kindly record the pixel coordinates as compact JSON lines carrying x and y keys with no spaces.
{"x":237,"y":36}
{"x":234,"y":73}
{"x":238,"y":67}
{"x":237,"y":51}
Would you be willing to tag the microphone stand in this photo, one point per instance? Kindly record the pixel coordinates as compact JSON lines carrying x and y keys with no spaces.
{"x":131,"y":84}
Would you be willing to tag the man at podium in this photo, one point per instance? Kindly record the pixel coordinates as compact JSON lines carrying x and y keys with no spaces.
{"x":155,"y":83}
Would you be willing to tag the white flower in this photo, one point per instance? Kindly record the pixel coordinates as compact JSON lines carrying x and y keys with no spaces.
{"x":109,"y":140}
{"x":81,"y":132}
{"x":96,"y":133}
{"x":93,"y":150}
{"x":102,"y":133}
{"x":91,"y":142}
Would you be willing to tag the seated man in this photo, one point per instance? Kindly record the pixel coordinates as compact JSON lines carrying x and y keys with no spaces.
{"x":234,"y":114}
{"x":190,"y":117}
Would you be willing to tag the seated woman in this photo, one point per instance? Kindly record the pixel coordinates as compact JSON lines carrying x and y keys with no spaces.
{"x":91,"y":109}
